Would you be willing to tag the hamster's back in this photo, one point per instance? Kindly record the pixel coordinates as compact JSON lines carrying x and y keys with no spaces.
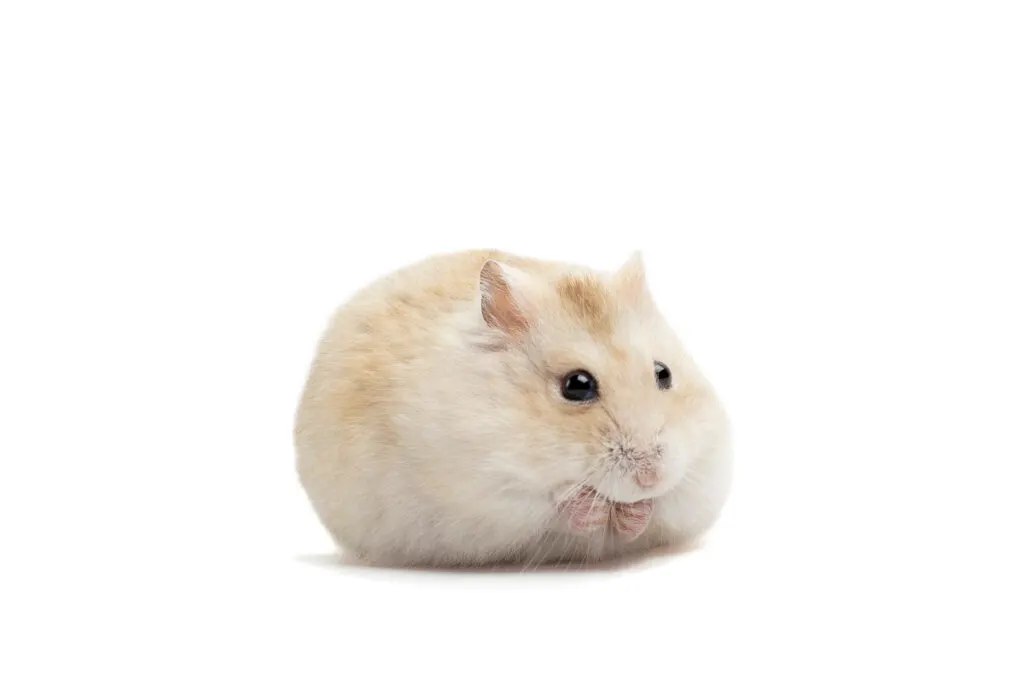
{"x":369,"y":354}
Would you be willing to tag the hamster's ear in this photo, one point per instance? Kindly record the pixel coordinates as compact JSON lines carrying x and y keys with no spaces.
{"x":631,"y":279}
{"x":504,"y":297}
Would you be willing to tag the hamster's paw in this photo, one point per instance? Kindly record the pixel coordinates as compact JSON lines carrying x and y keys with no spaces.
{"x":587,"y":511}
{"x":630,"y":520}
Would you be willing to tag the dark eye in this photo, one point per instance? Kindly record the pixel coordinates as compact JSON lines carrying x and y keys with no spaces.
{"x":664,"y":376}
{"x":579,"y":386}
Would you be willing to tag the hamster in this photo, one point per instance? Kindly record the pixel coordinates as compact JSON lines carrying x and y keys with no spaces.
{"x":481,"y":407}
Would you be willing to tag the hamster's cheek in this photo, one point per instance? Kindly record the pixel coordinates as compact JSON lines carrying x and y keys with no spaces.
{"x":564,"y":467}
{"x":691,"y":439}
{"x":695,"y":502}
{"x":678,"y":454}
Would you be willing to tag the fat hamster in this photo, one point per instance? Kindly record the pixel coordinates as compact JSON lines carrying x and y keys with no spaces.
{"x":482,"y":407}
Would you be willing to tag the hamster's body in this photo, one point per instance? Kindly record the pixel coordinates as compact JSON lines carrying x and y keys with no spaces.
{"x":436,"y":426}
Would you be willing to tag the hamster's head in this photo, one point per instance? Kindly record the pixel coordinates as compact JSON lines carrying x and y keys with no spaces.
{"x":594,"y":385}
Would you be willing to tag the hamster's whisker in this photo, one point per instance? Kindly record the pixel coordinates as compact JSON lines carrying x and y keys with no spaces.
{"x":537,"y":560}
{"x":572,"y":491}
{"x":551,"y":539}
{"x":691,"y":475}
{"x":598,"y":496}
{"x":564,"y":544}
{"x":530,"y":559}
{"x":611,"y":417}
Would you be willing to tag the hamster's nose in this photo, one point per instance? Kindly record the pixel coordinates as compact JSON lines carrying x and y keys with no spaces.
{"x":646,"y":477}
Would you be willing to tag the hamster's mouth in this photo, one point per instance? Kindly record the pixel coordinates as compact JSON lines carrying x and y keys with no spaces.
{"x":589,"y":511}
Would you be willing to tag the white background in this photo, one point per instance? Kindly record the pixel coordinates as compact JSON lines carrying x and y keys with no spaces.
{"x":829,"y":198}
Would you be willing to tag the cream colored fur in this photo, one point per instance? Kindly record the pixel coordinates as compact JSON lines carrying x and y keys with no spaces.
{"x":427,"y":436}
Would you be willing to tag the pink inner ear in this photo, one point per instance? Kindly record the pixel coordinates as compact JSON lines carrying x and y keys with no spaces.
{"x":498,"y":303}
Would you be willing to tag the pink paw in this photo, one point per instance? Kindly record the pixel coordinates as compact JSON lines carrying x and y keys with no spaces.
{"x":587,"y":511}
{"x":632,"y":519}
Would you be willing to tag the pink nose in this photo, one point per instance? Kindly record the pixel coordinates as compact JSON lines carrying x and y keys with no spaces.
{"x":646,"y":477}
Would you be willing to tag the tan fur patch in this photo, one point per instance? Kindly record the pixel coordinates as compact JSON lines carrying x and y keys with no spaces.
{"x":584,"y":297}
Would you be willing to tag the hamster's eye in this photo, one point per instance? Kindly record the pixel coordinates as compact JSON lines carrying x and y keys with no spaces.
{"x":579,"y":386}
{"x":664,"y":376}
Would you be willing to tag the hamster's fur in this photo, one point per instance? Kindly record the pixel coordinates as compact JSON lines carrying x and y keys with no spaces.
{"x":433,"y":429}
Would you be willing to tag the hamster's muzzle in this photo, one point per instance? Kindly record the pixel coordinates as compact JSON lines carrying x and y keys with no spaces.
{"x":641,"y":465}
